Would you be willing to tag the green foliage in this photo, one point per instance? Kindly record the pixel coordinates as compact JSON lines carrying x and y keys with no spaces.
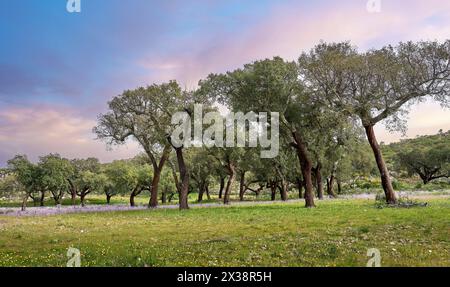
{"x":124,"y":177}
{"x":427,"y":156}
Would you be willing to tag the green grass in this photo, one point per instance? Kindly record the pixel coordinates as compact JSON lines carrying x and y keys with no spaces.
{"x":337,"y":233}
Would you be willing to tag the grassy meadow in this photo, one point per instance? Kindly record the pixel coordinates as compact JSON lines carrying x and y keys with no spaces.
{"x":337,"y":233}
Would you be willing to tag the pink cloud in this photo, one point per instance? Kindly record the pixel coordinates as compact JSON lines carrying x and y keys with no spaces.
{"x":291,"y":29}
{"x":42,"y":130}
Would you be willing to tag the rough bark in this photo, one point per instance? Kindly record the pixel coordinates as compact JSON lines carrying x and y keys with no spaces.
{"x":157,"y":169}
{"x":184,"y":174}
{"x":283,"y":184}
{"x":73,"y":198}
{"x":208,"y":195}
{"x":24,"y":202}
{"x":330,"y":186}
{"x":306,"y":166}
{"x":132,"y":201}
{"x":319,"y":184}
{"x":175,"y":177}
{"x":201,"y":191}
{"x":391,"y":198}
{"x":300,"y":187}
{"x":283,"y":190}
{"x":72,"y":192}
{"x":82,"y":198}
{"x":273,"y":190}
{"x":222,"y":186}
{"x":232,"y":174}
{"x":42,"y":199}
{"x":242,"y":186}
{"x":164,"y":197}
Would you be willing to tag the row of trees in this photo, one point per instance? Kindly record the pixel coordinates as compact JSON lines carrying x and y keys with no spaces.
{"x":328,"y":101}
{"x":427,"y":157}
{"x":324,"y":99}
{"x":57,"y":176}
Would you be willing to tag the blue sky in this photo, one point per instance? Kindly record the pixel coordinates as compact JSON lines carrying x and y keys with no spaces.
{"x":58,"y":70}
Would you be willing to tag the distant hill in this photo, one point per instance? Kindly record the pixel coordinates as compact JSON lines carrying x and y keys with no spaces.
{"x":420,"y":142}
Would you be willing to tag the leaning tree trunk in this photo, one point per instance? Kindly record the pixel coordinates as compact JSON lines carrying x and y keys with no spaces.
{"x":391,"y":198}
{"x":318,"y":176}
{"x":284,"y":185}
{"x":242,"y":186}
{"x":306,"y":166}
{"x":157,"y":169}
{"x":232,"y":172}
{"x":222,"y":186}
{"x":184,"y":190}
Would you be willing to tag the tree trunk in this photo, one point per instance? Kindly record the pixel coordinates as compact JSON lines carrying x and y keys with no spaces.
{"x":330,"y":187}
{"x":108,"y":199}
{"x":306,"y":166}
{"x":242,"y":186}
{"x":42,"y":199}
{"x":207,"y":191}
{"x":339,"y":186}
{"x":273,"y":192}
{"x":284,"y":184}
{"x":232,"y":173}
{"x":201,"y":191}
{"x":391,"y":198}
{"x":283,"y":191}
{"x":132,"y":197}
{"x":24,"y":202}
{"x":82,"y":197}
{"x":318,"y":176}
{"x":222,"y":186}
{"x":57,"y":200}
{"x":73,"y":196}
{"x":184,"y":179}
{"x":300,"y":187}
{"x":154,"y":190}
{"x":164,"y":197}
{"x":157,"y":169}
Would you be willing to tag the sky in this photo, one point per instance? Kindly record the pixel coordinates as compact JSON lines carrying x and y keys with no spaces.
{"x":58,"y":69}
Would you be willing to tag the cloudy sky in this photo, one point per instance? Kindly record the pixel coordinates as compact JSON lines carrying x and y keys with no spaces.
{"x":58,"y":70}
